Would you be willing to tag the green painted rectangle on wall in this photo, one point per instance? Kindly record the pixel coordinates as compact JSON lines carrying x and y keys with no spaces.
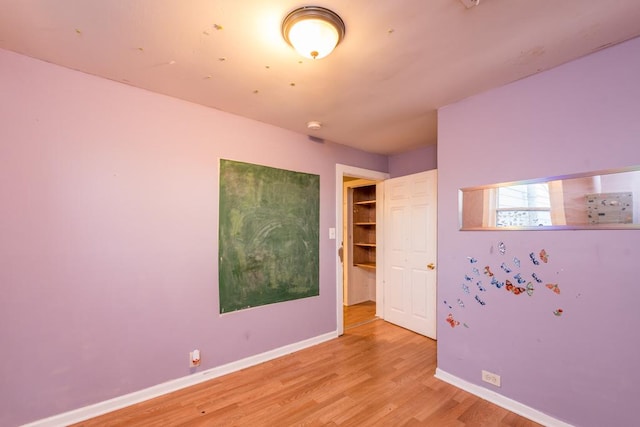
{"x":268,"y":235}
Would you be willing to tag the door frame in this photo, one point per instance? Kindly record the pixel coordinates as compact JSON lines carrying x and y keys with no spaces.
{"x":341,"y":172}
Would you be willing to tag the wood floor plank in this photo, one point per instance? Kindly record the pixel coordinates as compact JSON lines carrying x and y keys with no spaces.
{"x":377,"y":374}
{"x":358,"y":314}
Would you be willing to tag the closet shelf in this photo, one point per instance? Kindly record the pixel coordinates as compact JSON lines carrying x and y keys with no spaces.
{"x":364,"y":226}
{"x":366,"y":264}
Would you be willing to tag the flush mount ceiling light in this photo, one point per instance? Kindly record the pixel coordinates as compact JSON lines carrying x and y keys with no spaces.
{"x":313,"y":31}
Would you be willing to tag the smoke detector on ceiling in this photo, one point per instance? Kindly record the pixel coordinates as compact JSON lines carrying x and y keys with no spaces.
{"x":314,"y":125}
{"x":470,"y":3}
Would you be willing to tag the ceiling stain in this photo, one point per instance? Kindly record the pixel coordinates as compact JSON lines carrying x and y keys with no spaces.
{"x":530,"y":55}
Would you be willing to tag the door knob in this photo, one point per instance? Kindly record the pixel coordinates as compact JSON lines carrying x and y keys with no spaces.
{"x":431,"y":266}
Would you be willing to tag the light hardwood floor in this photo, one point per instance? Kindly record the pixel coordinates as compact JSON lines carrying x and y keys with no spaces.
{"x":376,"y":374}
{"x":358,"y":314}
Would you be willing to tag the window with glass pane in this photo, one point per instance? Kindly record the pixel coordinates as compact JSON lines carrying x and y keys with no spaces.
{"x":525,"y":205}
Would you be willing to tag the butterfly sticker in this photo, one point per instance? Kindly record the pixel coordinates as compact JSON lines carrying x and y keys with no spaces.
{"x":516,"y":261}
{"x":453,"y":322}
{"x":530,"y":289}
{"x":468,"y":278}
{"x":476,"y":271}
{"x":554,"y":287}
{"x":533,"y":259}
{"x":516,"y":290}
{"x":487,"y":271}
{"x":558,"y":312}
{"x":505,"y":268}
{"x":519,"y":279}
{"x":465,"y":288}
{"x":447,"y":304}
{"x":544,"y":256}
{"x":536,"y":278}
{"x":480,"y":301}
{"x":495,"y":282}
{"x":472,"y":260}
{"x":480,"y":287}
{"x":460,"y":303}
{"x":502,"y":248}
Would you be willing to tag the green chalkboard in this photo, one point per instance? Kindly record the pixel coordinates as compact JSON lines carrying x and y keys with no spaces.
{"x":268,"y":235}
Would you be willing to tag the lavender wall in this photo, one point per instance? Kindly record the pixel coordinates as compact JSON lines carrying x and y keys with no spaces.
{"x":580,"y":367}
{"x":414,"y":161}
{"x":108,"y":218}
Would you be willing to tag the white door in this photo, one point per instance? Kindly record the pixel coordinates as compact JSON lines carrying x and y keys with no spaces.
{"x":410,"y":252}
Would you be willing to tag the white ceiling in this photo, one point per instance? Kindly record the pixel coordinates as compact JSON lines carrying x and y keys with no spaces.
{"x":378,"y":91}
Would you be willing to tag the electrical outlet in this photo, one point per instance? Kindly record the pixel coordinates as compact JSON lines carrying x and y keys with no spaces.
{"x":194,"y":358}
{"x":491,"y":378}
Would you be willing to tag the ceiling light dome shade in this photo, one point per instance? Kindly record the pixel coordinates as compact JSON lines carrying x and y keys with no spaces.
{"x":313,"y":31}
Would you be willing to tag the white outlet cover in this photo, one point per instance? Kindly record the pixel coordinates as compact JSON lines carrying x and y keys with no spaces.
{"x":194,"y":358}
{"x":491,"y":378}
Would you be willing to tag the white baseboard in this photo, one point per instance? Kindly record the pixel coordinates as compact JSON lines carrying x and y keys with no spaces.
{"x":120,"y":402}
{"x":500,"y":400}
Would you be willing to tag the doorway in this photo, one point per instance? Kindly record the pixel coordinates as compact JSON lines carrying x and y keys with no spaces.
{"x":350,"y":173}
{"x":405,"y":206}
{"x":359,"y":250}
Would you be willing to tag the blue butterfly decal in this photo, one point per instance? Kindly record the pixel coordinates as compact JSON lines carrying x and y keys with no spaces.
{"x":533,"y":259}
{"x":495,"y":282}
{"x":502,"y":248}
